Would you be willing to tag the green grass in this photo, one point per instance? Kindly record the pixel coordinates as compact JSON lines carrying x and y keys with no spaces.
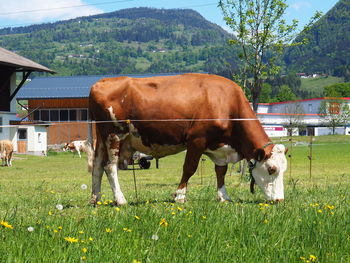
{"x":313,"y":220}
{"x":316,"y":85}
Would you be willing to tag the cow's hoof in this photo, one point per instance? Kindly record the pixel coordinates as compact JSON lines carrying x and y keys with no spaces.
{"x":223,"y":200}
{"x":120,"y":203}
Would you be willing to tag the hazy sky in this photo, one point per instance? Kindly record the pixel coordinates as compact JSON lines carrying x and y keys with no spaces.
{"x":26,"y":12}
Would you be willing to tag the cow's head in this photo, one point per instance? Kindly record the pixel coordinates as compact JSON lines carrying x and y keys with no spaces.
{"x":268,"y":172}
{"x":65,"y":147}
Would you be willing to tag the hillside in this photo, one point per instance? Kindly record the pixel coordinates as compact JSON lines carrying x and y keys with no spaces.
{"x":136,"y":40}
{"x":328,"y":50}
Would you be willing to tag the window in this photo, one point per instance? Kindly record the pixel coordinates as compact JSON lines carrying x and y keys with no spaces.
{"x":54,"y":115}
{"x":64,"y":115}
{"x":83,"y":115}
{"x":72,"y":115}
{"x":310,"y":108}
{"x":37,"y":115}
{"x":22,"y":134}
{"x":45,"y":115}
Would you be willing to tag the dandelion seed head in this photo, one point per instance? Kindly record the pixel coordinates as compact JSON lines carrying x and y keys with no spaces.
{"x":59,"y":207}
{"x":155,"y":237}
{"x":30,"y":229}
{"x":83,"y":186}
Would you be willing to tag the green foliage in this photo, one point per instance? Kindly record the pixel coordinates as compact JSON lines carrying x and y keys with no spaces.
{"x":285,"y":94}
{"x":328,"y":47}
{"x":337,"y":90}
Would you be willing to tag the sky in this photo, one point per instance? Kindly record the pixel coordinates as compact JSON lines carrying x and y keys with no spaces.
{"x":16,"y":13}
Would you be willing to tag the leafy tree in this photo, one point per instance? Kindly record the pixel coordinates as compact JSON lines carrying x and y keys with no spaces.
{"x":266,"y":92}
{"x":259,"y":27}
{"x":295,"y":119}
{"x":285,"y":94}
{"x":337,"y":90}
{"x":334,"y":112}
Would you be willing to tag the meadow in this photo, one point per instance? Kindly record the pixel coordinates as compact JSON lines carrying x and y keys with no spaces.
{"x":45,"y":215}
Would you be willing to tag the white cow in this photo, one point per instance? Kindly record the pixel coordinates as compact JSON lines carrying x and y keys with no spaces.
{"x":6,"y":152}
{"x":81,"y":146}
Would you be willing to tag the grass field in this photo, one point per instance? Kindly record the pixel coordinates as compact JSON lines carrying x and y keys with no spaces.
{"x":316,"y":85}
{"x":45,"y":215}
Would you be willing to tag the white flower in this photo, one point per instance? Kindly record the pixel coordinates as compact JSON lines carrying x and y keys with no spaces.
{"x":30,"y":229}
{"x":155,"y":237}
{"x":59,"y":207}
{"x":83,"y":186}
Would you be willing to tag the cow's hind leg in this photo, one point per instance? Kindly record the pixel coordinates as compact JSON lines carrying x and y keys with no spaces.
{"x":193,"y":155}
{"x":97,"y":173}
{"x":111,"y":168}
{"x":220,"y":176}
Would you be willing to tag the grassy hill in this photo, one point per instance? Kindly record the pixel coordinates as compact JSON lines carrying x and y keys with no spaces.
{"x":315,"y":86}
{"x":133,"y":40}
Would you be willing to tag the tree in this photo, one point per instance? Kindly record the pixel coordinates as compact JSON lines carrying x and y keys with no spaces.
{"x":334,"y":112}
{"x":262,"y":34}
{"x":285,"y":94}
{"x":295,"y":119}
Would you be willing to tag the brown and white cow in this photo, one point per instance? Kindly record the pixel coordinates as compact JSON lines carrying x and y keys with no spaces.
{"x":200,"y":113}
{"x":6,"y":152}
{"x":76,"y":147}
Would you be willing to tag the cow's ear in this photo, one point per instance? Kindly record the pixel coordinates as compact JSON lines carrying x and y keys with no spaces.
{"x":260,"y":155}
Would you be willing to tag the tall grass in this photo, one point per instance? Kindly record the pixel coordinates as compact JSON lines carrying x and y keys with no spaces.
{"x":311,"y":225}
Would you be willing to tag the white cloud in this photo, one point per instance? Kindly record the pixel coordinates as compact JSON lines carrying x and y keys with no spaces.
{"x":299,"y":5}
{"x":35,"y":11}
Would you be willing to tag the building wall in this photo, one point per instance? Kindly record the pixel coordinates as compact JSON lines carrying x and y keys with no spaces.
{"x":58,"y":103}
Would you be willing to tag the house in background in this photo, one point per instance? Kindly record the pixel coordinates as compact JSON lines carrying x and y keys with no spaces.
{"x":24,"y":136}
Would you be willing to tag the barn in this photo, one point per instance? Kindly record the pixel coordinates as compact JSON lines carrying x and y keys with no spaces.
{"x":13,"y":68}
{"x":62,"y":101}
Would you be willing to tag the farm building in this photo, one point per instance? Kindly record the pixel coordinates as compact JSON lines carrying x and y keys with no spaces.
{"x":26,"y":137}
{"x":63,"y":102}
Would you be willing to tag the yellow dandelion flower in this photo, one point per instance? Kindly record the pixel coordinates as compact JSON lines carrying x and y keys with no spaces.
{"x":163,"y":222}
{"x":108,"y":230}
{"x":136,"y":261}
{"x":117,"y":209}
{"x":312,"y":258}
{"x":127,"y":229}
{"x":173,"y":213}
{"x":60,"y":228}
{"x":99,"y":203}
{"x":302,"y":258}
{"x":71,"y":239}
{"x":265,"y":221}
{"x":179,"y":208}
{"x":137,"y":217}
{"x":91,"y":239}
{"x":204,"y":217}
{"x":81,"y":232}
{"x":55,"y":231}
{"x":331,"y":213}
{"x":6,"y":224}
{"x":189,"y":213}
{"x":84,"y":249}
{"x":330,"y":207}
{"x":319,"y":211}
{"x":83,"y":258}
{"x":50,"y":213}
{"x":189,"y":236}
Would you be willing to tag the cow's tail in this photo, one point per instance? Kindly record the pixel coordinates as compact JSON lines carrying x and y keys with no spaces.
{"x":90,"y":155}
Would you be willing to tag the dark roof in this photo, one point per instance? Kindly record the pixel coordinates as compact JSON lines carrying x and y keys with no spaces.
{"x":12,"y":60}
{"x":66,"y":87}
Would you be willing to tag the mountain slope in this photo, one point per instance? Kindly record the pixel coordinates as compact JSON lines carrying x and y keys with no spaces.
{"x":328,"y":50}
{"x":133,"y":40}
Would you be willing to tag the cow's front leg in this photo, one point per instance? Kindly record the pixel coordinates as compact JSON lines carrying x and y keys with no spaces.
{"x":192,"y":158}
{"x":220,"y":176}
{"x":111,"y":168}
{"x":97,"y":173}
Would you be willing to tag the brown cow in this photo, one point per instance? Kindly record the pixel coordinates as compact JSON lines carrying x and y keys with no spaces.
{"x":200,"y":113}
{"x":6,"y":152}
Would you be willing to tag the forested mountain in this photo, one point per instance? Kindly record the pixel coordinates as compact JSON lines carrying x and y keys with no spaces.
{"x":328,"y":50}
{"x":136,"y":40}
